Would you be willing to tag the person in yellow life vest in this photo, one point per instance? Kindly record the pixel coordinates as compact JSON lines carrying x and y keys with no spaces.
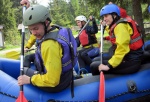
{"x":54,"y":57}
{"x":87,"y":39}
{"x":125,"y":55}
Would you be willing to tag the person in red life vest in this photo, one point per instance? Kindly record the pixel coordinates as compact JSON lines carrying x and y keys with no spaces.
{"x":123,"y":14}
{"x":126,"y":52}
{"x":87,"y":39}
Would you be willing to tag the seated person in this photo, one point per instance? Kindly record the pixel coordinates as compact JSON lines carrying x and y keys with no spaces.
{"x":87,"y":39}
{"x":125,"y":55}
{"x":54,"y":73}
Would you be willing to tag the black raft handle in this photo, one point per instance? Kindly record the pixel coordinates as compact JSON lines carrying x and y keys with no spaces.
{"x":132,"y":86}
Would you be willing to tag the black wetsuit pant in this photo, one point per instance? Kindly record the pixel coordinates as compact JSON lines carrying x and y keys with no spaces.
{"x":83,"y":57}
{"x":28,"y":59}
{"x":126,"y":67}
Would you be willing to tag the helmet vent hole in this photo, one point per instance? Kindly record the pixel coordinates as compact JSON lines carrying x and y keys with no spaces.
{"x":30,"y":17}
{"x":31,"y":8}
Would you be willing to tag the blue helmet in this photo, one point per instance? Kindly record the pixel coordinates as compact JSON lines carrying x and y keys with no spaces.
{"x":149,"y":8}
{"x":110,"y":8}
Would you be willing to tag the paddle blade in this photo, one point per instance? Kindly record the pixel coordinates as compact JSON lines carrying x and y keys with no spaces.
{"x":13,"y":55}
{"x":21,"y":97}
{"x":102,"y":88}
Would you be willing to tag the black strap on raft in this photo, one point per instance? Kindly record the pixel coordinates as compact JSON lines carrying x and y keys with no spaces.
{"x":72,"y":59}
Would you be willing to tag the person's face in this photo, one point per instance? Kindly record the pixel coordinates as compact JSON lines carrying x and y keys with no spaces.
{"x":37,"y":30}
{"x":108,"y":19}
{"x":79,"y":24}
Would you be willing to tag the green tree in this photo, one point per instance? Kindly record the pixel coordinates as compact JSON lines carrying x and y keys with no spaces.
{"x":145,"y":9}
{"x":60,"y":13}
{"x":133,"y":7}
{"x":17,"y":11}
{"x":7,"y":19}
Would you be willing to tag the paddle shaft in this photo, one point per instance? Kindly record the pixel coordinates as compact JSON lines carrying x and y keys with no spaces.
{"x":22,"y":50}
{"x":101,"y":48}
{"x":21,"y":97}
{"x":102,"y":79}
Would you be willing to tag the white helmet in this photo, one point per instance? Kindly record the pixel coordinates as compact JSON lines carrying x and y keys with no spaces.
{"x":81,"y":18}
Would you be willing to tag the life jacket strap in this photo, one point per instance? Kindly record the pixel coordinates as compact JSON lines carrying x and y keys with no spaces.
{"x":135,"y":40}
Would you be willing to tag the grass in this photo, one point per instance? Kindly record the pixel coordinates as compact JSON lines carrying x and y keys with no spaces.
{"x":8,"y":47}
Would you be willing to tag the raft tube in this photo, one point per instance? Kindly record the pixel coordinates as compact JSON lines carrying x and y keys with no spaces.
{"x":118,"y":88}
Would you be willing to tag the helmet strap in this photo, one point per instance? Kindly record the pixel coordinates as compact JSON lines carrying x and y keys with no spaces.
{"x":46,"y":25}
{"x":115,"y":19}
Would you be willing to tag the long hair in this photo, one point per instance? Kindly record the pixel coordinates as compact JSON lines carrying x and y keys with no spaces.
{"x":115,"y":19}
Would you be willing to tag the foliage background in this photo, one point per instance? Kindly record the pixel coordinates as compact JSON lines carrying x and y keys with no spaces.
{"x":63,"y":12}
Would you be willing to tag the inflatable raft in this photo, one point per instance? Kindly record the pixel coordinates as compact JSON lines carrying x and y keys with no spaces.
{"x":118,"y":88}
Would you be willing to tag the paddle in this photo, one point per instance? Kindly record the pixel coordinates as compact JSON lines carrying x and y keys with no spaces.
{"x":102,"y":79}
{"x":21,"y":97}
{"x":102,"y":88}
{"x":15,"y":54}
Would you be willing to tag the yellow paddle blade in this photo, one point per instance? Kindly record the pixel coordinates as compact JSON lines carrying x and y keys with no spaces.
{"x":13,"y":55}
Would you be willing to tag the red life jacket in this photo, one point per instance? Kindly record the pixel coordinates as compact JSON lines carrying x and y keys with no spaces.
{"x":136,"y":38}
{"x":123,"y":12}
{"x":84,"y":39}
